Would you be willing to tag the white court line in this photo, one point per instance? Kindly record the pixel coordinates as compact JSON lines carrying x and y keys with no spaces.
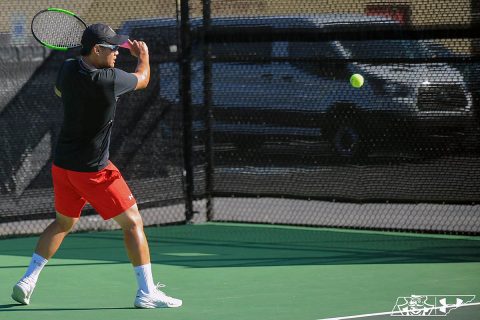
{"x":390,"y":313}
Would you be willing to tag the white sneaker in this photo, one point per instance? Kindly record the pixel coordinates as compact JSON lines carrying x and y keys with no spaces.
{"x":156,"y":299}
{"x":22,"y":290}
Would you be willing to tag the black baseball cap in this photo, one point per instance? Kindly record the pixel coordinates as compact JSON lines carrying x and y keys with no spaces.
{"x":100,"y":33}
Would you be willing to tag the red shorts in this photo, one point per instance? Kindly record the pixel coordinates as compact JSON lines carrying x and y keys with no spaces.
{"x":105,"y":190}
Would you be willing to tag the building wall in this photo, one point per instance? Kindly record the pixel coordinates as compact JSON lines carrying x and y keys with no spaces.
{"x":112,"y":12}
{"x":15,"y":16}
{"x":423,"y":11}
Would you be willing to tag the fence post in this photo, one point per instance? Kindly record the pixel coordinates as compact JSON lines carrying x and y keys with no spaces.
{"x":207,"y":104}
{"x":186,"y":98}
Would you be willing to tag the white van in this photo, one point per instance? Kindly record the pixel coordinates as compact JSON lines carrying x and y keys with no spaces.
{"x":301,"y":90}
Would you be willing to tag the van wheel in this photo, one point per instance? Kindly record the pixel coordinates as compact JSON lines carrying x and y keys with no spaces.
{"x":247,"y":144}
{"x":471,"y":141}
{"x":348,"y":140}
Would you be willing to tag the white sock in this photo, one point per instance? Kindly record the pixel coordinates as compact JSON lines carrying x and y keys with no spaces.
{"x":36,"y":265}
{"x":145,"y":278}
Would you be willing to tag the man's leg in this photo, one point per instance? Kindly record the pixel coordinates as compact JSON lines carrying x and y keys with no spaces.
{"x":148,"y":295}
{"x":134,"y":237}
{"x":52,"y":237}
{"x":48,"y":243}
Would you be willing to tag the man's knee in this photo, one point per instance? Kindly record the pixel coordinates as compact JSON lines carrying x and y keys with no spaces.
{"x":130,"y":219}
{"x":65,"y":223}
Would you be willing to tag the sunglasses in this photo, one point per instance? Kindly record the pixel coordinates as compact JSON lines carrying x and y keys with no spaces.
{"x":109,"y":46}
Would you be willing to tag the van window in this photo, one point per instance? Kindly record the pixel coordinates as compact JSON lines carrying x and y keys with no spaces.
{"x":380,"y":49}
{"x":258,"y":52}
{"x":158,"y":39}
{"x":314,"y":50}
{"x":313,"y":57}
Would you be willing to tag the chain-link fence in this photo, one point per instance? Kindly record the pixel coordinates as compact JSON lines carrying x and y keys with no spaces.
{"x":250,"y":111}
{"x":400,"y":152}
{"x":146,"y":143}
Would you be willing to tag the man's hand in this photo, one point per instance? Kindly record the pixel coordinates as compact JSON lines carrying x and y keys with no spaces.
{"x":137,"y":48}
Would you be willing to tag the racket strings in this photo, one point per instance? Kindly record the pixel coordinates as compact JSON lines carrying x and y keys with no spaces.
{"x":58,"y":29}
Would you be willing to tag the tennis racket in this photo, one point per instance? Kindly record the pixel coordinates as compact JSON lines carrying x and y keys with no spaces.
{"x":59,"y":29}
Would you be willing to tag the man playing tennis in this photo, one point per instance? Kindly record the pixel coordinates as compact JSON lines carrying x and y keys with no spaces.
{"x":89,"y":87}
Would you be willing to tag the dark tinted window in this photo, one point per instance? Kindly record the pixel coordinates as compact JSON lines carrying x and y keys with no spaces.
{"x":313,"y":57}
{"x":314,"y":50}
{"x":376,"y":49}
{"x":158,"y":39}
{"x":243,"y":50}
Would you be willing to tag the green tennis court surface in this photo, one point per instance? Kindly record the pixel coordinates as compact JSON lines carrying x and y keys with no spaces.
{"x":239,"y":271}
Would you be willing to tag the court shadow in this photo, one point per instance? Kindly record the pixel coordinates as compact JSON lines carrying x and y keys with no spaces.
{"x":22,"y":308}
{"x":236,"y":245}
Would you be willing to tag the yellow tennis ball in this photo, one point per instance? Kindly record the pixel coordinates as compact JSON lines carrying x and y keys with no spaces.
{"x":356,"y":80}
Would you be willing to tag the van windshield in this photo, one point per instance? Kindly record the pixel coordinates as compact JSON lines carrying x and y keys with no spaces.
{"x":381,"y":49}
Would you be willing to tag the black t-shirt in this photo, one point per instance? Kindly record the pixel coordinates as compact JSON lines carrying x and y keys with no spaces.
{"x":89,"y":99}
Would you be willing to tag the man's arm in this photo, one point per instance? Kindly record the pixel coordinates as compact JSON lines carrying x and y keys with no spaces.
{"x":140,"y":50}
